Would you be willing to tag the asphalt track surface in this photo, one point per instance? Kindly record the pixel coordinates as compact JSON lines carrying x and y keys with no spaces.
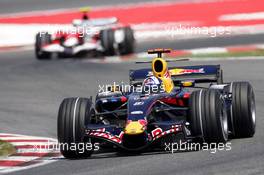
{"x":203,"y":42}
{"x":14,"y":6}
{"x":32,"y":90}
{"x":11,"y":6}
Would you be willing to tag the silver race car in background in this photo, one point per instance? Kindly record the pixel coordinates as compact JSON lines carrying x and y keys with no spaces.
{"x":96,"y":37}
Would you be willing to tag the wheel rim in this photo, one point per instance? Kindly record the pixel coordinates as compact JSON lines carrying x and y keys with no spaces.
{"x":224,"y":122}
{"x":253,"y":110}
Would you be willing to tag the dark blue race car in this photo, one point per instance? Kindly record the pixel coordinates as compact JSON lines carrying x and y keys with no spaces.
{"x":162,"y":105}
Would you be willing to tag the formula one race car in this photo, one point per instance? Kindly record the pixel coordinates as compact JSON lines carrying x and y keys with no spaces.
{"x":99,"y":37}
{"x":165,"y":106}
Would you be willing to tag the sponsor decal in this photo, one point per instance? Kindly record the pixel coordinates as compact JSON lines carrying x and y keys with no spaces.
{"x":106,"y":136}
{"x":136,"y":112}
{"x":113,"y":100}
{"x":100,"y":130}
{"x":143,"y":122}
{"x":121,"y":135}
{"x":138,"y":103}
{"x":186,"y":71}
{"x":158,"y":132}
{"x":167,"y":74}
{"x":104,"y":101}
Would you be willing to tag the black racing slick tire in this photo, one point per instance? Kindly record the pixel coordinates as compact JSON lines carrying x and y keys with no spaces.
{"x":128,"y":44}
{"x":73,"y":115}
{"x":207,"y":116}
{"x":107,"y":41}
{"x":41,"y":40}
{"x":243,"y":109}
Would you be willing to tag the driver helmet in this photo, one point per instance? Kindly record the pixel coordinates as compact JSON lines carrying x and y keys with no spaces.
{"x":85,"y":17}
{"x":151,"y":85}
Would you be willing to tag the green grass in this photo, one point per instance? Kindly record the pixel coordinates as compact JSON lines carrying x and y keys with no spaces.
{"x":259,"y":52}
{"x":6,"y":149}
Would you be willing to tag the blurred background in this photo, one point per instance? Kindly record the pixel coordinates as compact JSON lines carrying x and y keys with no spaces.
{"x":181,"y":24}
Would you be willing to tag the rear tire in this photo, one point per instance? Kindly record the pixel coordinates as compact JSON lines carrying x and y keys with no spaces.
{"x":107,"y":41}
{"x":41,"y":40}
{"x":207,"y":116}
{"x":243,"y":109}
{"x":74,"y":114}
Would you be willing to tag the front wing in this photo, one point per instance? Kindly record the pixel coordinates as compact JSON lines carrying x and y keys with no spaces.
{"x":114,"y":134}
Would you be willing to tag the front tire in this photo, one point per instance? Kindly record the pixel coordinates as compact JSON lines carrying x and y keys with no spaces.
{"x":41,"y":40}
{"x":74,"y":114}
{"x":243,"y":109}
{"x":207,"y":116}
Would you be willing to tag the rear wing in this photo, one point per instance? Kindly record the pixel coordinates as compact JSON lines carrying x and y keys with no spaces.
{"x":198,"y":74}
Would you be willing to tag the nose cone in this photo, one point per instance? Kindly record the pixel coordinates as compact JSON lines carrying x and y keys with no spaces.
{"x":134,"y":128}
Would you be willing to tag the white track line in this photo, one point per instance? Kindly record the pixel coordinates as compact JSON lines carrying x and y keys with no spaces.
{"x":29,"y":150}
{"x":260,"y":46}
{"x":104,"y":7}
{"x":25,"y":138}
{"x":242,"y":16}
{"x":20,"y":158}
{"x":33,"y":143}
{"x":208,"y":50}
{"x":33,"y":157}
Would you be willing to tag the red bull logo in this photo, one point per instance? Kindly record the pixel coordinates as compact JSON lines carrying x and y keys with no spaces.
{"x":186,"y":71}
